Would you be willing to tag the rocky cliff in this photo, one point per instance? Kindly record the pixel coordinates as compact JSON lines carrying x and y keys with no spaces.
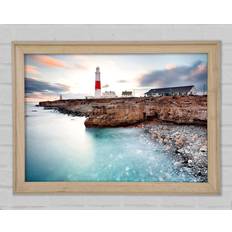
{"x":129,"y":111}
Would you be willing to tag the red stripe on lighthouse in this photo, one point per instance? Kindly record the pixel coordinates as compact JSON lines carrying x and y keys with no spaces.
{"x":97,"y":84}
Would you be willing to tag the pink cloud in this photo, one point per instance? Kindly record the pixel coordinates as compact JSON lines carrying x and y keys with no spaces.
{"x":52,"y":62}
{"x":37,"y":97}
{"x":201,"y":68}
{"x":170,"y":66}
{"x":49,"y":61}
{"x":30,"y":69}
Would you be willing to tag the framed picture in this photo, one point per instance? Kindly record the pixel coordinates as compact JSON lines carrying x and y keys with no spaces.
{"x":113,"y":118}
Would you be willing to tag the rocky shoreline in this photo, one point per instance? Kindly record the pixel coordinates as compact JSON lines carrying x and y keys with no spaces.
{"x":177,"y":123}
{"x":186,"y":143}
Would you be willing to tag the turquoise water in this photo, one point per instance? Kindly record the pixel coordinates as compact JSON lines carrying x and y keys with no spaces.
{"x":60,"y":148}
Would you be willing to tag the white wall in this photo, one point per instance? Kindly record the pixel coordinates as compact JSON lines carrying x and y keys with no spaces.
{"x":9,"y":33}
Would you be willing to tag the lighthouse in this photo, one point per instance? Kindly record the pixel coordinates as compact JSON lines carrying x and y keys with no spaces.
{"x":97,"y":83}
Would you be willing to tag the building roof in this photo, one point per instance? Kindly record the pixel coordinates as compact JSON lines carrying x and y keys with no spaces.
{"x":170,"y":90}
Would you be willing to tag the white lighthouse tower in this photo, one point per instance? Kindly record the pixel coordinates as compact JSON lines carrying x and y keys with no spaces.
{"x":97,"y":83}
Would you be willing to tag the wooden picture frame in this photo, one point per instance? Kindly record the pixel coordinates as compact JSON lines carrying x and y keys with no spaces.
{"x":212,"y":48}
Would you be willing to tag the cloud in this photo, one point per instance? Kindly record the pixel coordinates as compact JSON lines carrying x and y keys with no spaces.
{"x":195,"y":74}
{"x":79,"y":66}
{"x":170,"y":66}
{"x":34,"y":86}
{"x":52,"y":62}
{"x":105,"y":86}
{"x":30,"y":69}
{"x":48,"y":61}
{"x":37,"y":97}
{"x":200,"y":68}
{"x":122,"y":81}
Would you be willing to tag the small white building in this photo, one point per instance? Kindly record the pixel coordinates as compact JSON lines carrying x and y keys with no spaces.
{"x":109,"y":94}
{"x":127,"y":94}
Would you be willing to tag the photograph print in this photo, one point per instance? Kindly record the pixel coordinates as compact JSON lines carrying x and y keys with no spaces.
{"x":116,"y":117}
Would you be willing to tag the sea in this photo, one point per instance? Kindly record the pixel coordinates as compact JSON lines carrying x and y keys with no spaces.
{"x":60,"y":148}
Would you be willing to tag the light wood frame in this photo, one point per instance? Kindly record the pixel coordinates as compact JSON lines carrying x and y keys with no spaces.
{"x":212,"y":48}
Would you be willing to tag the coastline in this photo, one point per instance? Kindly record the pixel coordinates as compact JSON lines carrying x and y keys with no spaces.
{"x":178,"y":126}
{"x":117,"y":112}
{"x":187,"y":144}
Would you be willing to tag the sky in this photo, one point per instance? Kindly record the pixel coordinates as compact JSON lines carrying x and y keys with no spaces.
{"x":73,"y":76}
